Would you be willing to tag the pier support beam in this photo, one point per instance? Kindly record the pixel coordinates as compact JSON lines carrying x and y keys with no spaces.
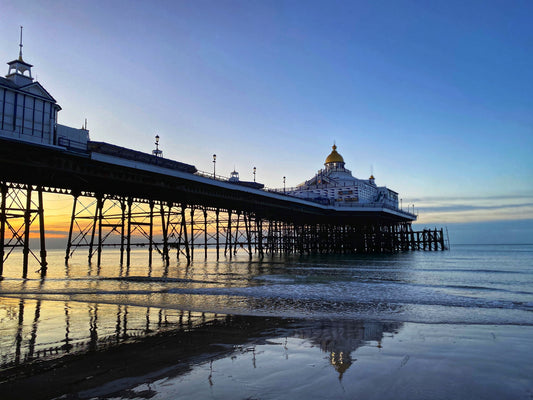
{"x":18,"y":212}
{"x":3,"y":223}
{"x":99,"y":220}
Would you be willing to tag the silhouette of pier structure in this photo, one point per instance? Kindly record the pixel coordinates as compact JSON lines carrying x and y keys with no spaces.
{"x":125,"y":199}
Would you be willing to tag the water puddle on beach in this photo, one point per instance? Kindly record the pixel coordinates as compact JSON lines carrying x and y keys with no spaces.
{"x":455,"y":324}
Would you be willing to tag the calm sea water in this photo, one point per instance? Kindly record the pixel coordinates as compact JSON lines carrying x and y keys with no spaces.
{"x":469,"y":284}
{"x":89,"y":306}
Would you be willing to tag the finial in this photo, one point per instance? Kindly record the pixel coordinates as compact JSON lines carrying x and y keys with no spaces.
{"x":20,"y":45}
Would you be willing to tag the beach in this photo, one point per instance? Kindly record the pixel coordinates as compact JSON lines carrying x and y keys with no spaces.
{"x":383,"y":327}
{"x":253,"y":357}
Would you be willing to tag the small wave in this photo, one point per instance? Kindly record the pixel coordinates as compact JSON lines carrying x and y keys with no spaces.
{"x":475,"y":270}
{"x":70,"y":292}
{"x":147,"y":279}
{"x":291,"y":293}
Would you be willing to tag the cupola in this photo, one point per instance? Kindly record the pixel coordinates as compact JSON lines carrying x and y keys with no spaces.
{"x":19,"y":71}
{"x":334,"y":161}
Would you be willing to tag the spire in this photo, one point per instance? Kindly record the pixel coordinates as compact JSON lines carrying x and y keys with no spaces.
{"x":20,"y":45}
{"x":19,"y":71}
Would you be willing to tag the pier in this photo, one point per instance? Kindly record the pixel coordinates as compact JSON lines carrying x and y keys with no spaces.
{"x":174,"y":213}
{"x":125,"y":198}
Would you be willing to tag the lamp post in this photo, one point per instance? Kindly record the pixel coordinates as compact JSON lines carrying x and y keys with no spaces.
{"x":401,"y":206}
{"x":157,"y":152}
{"x":214,"y":166}
{"x":283,"y":184}
{"x":254,"y":173}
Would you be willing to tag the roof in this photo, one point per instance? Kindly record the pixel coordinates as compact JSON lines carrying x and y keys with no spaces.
{"x":8,"y":83}
{"x":334,"y":157}
{"x":20,"y":61}
{"x":11,"y":85}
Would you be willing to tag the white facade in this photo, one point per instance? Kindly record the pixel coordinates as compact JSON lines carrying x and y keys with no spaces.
{"x":335,"y":185}
{"x":27,"y":110}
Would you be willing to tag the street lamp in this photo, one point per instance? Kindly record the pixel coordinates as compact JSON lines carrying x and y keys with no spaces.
{"x":401,"y":206}
{"x":214,"y":165}
{"x":283,"y":184}
{"x":254,"y":173}
{"x":157,"y":152}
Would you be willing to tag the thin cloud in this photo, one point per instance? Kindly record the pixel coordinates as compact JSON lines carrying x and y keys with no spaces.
{"x":471,"y":207}
{"x":468,"y":198}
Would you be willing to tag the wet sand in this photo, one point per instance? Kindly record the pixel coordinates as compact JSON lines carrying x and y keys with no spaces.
{"x":240,"y":357}
{"x":132,"y":361}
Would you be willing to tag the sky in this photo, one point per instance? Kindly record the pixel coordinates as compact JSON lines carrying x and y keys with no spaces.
{"x":434,"y":98}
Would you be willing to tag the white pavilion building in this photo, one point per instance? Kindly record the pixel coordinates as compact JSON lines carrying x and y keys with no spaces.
{"x":28,"y":111}
{"x":335,"y":185}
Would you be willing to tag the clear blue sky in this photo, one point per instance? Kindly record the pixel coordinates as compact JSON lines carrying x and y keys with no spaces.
{"x":435,"y":96}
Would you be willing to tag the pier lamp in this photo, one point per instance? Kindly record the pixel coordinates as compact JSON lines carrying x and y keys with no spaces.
{"x":157,"y":152}
{"x":283,"y":184}
{"x":255,"y":169}
{"x":401,"y":206}
{"x":214,"y":165}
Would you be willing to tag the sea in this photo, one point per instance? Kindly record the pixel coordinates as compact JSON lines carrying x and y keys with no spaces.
{"x":406,"y":325}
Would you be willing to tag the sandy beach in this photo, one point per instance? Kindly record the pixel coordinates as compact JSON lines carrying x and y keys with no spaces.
{"x":274,"y":358}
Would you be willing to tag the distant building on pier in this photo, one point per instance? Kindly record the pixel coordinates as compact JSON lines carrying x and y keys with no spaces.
{"x":335,"y":185}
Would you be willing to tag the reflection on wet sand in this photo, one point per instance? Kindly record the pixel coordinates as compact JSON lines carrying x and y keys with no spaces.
{"x":53,"y":333}
{"x":341,"y":338}
{"x":68,"y":332}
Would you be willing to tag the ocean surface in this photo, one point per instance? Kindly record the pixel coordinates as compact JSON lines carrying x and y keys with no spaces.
{"x":85,"y":306}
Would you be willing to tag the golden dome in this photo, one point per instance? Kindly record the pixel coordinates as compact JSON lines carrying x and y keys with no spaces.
{"x":334,"y":157}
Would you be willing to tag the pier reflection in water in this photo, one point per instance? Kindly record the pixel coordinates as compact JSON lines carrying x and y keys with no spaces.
{"x":38,"y":330}
{"x":44,"y":330}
